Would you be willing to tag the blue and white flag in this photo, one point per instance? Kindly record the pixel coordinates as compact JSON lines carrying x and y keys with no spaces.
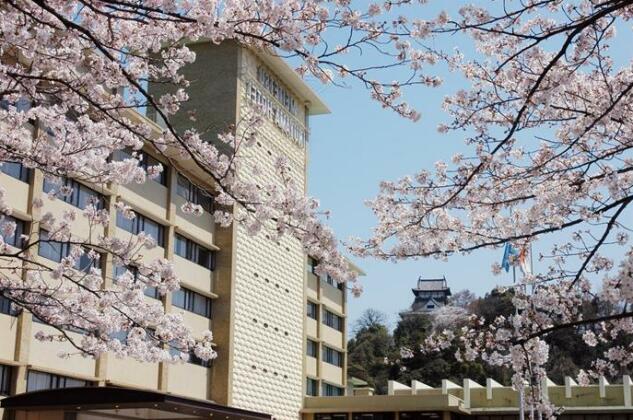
{"x":508,"y":251}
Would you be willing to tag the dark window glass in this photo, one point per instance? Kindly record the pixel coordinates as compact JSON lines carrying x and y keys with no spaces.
{"x":312,"y":263}
{"x":192,"y":251}
{"x":140,"y":224}
{"x":192,"y":302}
{"x":20,"y":228}
{"x":36,"y":381}
{"x":85,"y":263}
{"x":373,"y":416}
{"x":16,"y":170}
{"x":330,"y":416}
{"x":193,"y":194}
{"x":145,"y":161}
{"x":312,"y":387}
{"x":333,"y":391}
{"x":6,"y":307}
{"x":333,"y":357}
{"x":80,"y":195}
{"x":312,"y":348}
{"x":53,"y":250}
{"x":329,"y":280}
{"x":149,"y":291}
{"x":5,"y":379}
{"x":332,"y":320}
{"x":312,"y":310}
{"x":193,"y":359}
{"x":56,"y":250}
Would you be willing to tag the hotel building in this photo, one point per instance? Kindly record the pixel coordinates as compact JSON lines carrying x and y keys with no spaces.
{"x":279,"y":330}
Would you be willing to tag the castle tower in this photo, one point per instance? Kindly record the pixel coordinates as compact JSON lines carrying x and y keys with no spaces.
{"x":430,"y":294}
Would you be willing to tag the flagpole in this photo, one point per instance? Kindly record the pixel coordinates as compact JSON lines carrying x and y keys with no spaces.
{"x":516,"y":311}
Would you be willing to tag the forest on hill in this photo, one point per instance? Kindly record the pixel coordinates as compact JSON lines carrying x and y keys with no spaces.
{"x":375,"y":353}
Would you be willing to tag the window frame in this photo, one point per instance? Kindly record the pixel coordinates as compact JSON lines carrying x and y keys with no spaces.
{"x":193,"y":251}
{"x":332,"y":356}
{"x":312,"y":385}
{"x":64,"y":251}
{"x":137,"y":225}
{"x":326,"y":387}
{"x":145,"y":160}
{"x":6,"y":307}
{"x":55,"y":381}
{"x":149,"y":291}
{"x":77,"y":198}
{"x":189,"y":302}
{"x":312,"y":310}
{"x":23,"y":173}
{"x":6,"y":374}
{"x":312,"y":348}
{"x":332,"y":320}
{"x":20,"y":229}
{"x":193,"y":194}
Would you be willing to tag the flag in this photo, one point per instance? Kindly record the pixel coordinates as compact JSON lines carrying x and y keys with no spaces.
{"x":523,"y":261}
{"x":508,"y":252}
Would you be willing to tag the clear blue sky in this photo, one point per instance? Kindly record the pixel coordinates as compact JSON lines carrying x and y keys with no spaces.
{"x":358,"y":145}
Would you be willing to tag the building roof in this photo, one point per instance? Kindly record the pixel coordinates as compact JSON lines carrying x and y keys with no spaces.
{"x":471,"y":398}
{"x":127,"y":402}
{"x":426,"y":285}
{"x":354,"y":381}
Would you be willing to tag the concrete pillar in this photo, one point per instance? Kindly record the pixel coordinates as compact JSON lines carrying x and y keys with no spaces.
{"x":602,"y":383}
{"x":393,"y":386}
{"x":626,"y":389}
{"x":569,"y":383}
{"x":468,"y":386}
{"x":545,"y":384}
{"x":490,"y":385}
{"x":446,"y":385}
{"x":418,"y":386}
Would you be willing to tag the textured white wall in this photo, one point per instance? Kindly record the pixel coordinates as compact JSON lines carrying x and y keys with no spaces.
{"x":269,"y":302}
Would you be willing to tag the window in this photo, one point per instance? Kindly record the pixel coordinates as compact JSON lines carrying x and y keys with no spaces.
{"x":312,"y":310}
{"x":192,"y":302}
{"x":332,"y":320}
{"x":332,"y":391}
{"x":378,"y":416}
{"x":333,"y":357}
{"x":312,"y":387}
{"x":36,"y":381}
{"x":190,"y":250}
{"x":145,"y":161}
{"x":80,"y":195}
{"x":193,"y":194}
{"x":330,"y":416}
{"x":5,"y":379}
{"x":142,"y":224}
{"x":312,"y":348}
{"x":16,"y":170}
{"x":311,"y":267}
{"x":56,"y":250}
{"x":149,"y":291}
{"x":195,"y":360}
{"x":53,"y":250}
{"x":21,"y":105}
{"x":15,"y":240}
{"x":329,"y":280}
{"x":6,"y":307}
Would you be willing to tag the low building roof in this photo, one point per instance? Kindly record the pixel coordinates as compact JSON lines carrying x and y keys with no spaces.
{"x":125,"y":402}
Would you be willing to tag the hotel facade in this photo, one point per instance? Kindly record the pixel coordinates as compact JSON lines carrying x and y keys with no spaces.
{"x":279,"y":330}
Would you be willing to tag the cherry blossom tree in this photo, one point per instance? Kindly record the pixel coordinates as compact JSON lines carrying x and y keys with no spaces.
{"x":72,"y":74}
{"x":547,"y":120}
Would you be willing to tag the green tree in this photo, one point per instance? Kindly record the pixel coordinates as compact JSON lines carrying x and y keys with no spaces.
{"x":369,"y":347}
